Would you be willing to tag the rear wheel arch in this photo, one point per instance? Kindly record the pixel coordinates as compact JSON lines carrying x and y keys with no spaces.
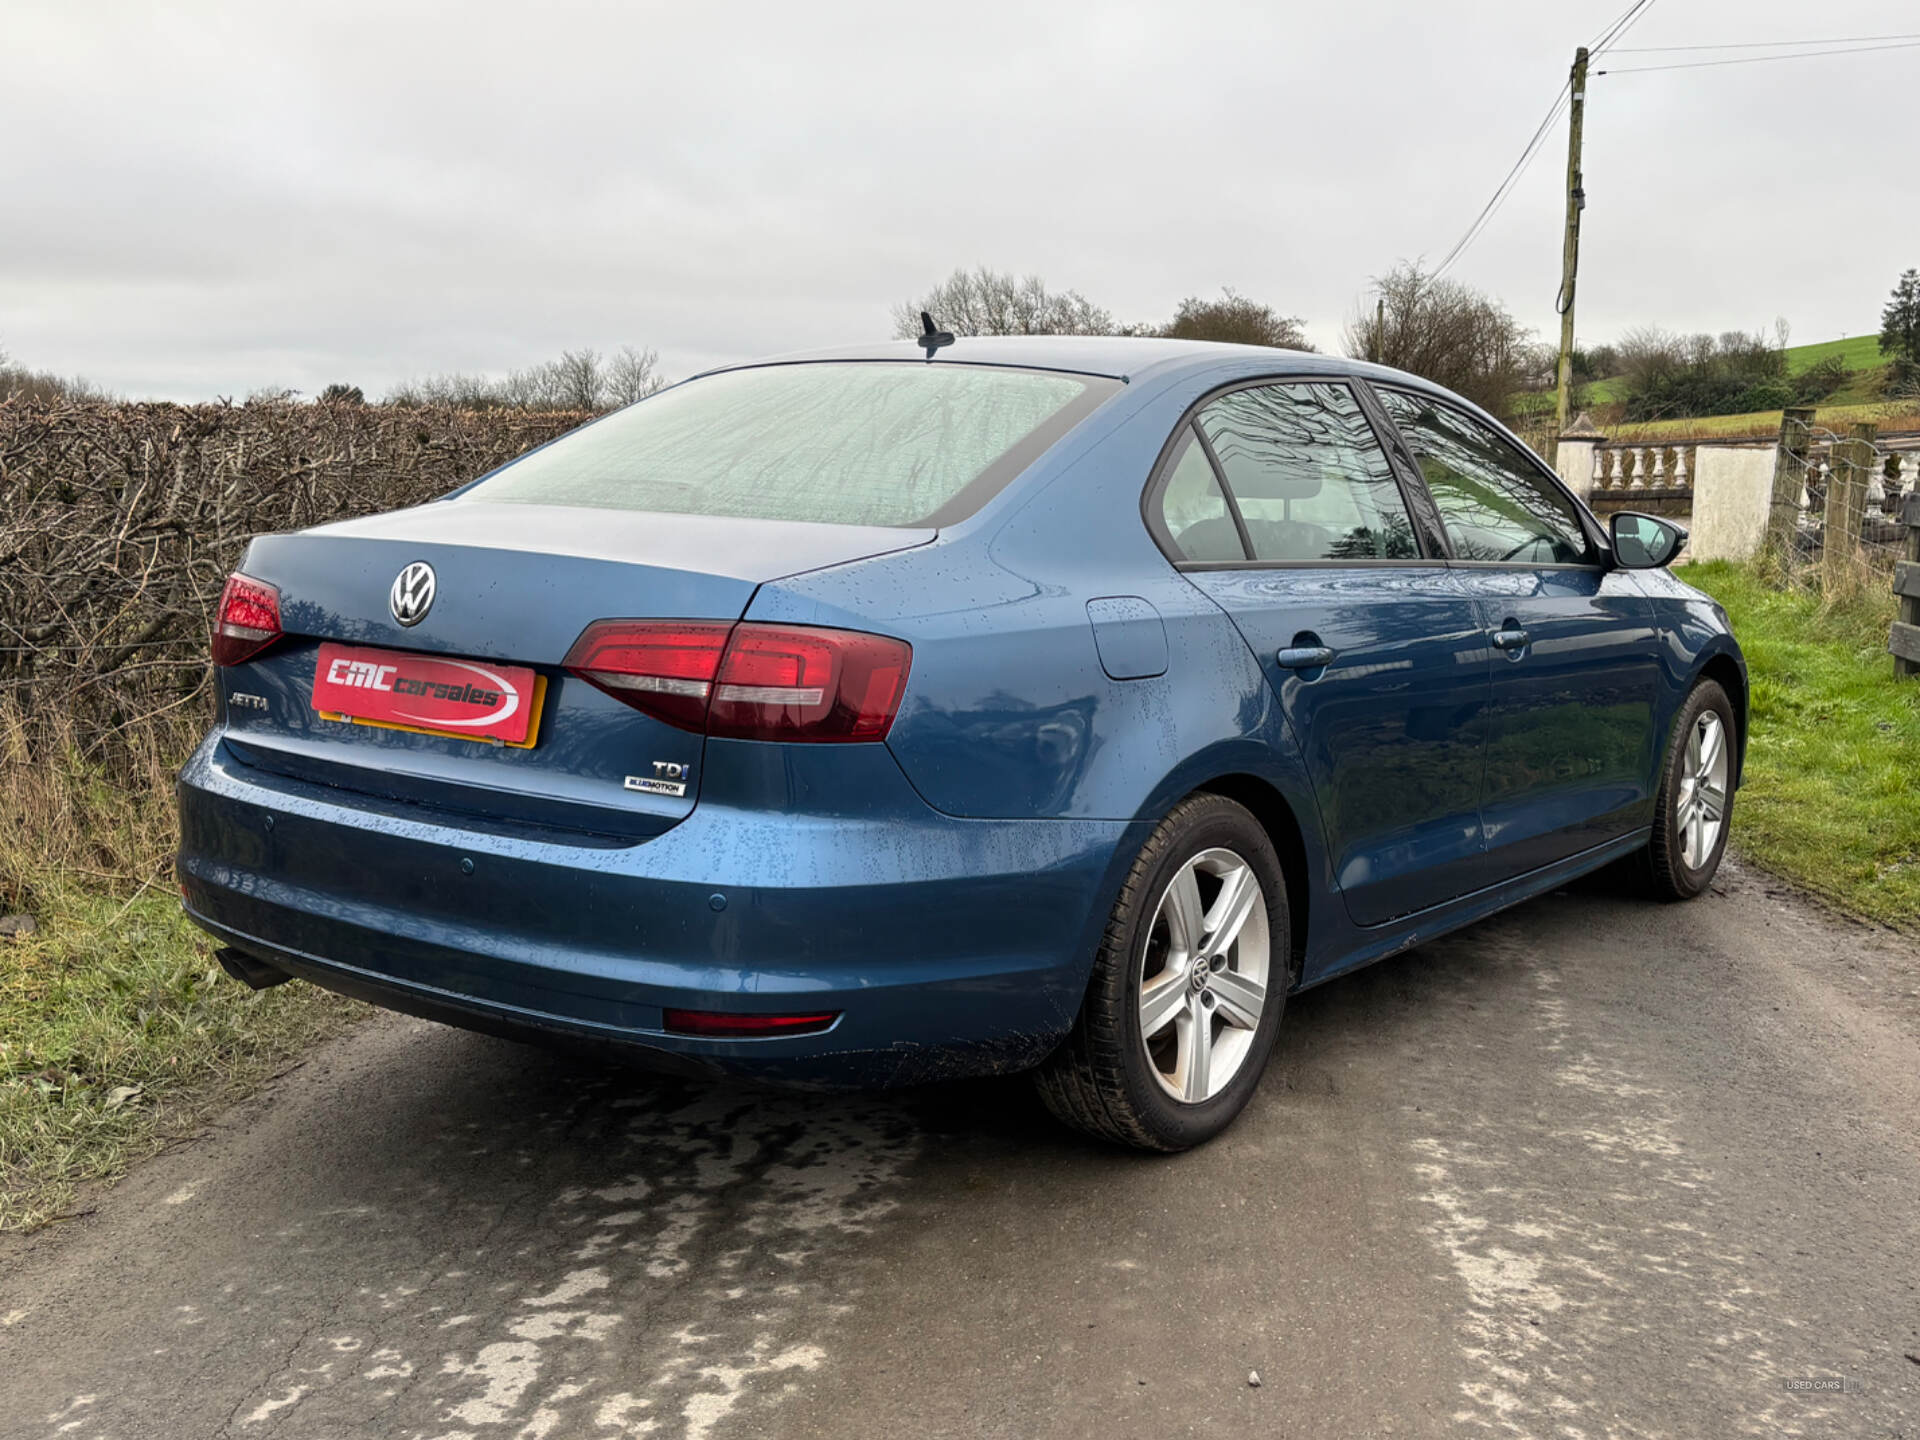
{"x":1276,"y":816}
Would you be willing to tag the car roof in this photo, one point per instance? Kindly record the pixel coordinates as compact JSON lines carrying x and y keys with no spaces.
{"x":1121,"y":357}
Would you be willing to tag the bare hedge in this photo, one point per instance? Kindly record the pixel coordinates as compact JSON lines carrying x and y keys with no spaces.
{"x":119,"y":523}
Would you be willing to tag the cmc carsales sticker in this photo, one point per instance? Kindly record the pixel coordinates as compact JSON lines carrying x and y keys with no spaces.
{"x":474,"y":698}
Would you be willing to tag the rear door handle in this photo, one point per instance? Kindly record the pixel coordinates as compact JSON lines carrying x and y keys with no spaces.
{"x":1511,"y":638}
{"x":1305,"y":657}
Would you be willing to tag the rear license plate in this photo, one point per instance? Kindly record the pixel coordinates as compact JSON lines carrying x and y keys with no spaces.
{"x":429,"y":694}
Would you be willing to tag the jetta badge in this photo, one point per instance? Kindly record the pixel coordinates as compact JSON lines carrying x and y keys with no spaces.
{"x":412,"y":593}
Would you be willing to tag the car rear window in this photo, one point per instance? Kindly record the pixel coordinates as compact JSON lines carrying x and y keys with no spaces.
{"x":874,"y":443}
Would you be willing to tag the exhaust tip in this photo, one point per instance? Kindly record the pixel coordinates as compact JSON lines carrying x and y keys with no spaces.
{"x":254,"y":974}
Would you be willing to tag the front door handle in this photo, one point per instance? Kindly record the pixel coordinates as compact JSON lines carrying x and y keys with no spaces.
{"x":1510,"y":638}
{"x":1305,"y":657}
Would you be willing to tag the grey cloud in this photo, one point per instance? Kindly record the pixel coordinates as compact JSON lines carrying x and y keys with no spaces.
{"x":213,"y":198}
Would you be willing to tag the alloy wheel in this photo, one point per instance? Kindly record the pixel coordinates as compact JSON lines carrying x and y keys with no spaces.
{"x":1700,"y":807}
{"x":1204,"y":977}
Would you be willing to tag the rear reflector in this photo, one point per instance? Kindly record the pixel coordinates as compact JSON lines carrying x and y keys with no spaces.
{"x":749,"y":681}
{"x":724,"y":1024}
{"x":248,"y":620}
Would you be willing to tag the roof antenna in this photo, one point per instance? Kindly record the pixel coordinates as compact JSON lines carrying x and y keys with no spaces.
{"x":931,"y":338}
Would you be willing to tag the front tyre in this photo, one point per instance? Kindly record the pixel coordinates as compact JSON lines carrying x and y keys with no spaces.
{"x":1694,"y":808}
{"x":1188,"y":988}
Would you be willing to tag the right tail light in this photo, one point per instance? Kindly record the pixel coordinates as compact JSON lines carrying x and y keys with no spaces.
{"x":749,"y":681}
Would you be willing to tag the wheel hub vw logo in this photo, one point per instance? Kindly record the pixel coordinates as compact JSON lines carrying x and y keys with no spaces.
{"x":412,"y":593}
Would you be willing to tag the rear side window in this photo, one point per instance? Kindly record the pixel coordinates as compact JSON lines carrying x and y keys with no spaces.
{"x":1308,"y":474}
{"x":1195,"y":508}
{"x":881,"y":443}
{"x":1495,"y":503}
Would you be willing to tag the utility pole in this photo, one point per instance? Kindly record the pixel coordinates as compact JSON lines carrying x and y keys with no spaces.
{"x":1570,"y":251}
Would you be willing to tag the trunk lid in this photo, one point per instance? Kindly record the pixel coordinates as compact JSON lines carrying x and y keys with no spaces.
{"x":514,"y":584}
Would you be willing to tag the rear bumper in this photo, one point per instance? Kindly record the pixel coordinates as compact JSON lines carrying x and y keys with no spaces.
{"x":950,"y":947}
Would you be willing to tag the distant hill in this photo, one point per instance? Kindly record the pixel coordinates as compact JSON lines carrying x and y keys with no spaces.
{"x":1861,"y":353}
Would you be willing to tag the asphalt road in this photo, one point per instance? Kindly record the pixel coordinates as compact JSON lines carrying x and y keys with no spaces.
{"x":1597,"y":1168}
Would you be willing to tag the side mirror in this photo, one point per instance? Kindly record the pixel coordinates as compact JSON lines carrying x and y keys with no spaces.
{"x":1644,"y":542}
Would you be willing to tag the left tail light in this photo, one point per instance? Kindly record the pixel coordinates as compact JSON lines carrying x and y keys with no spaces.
{"x":749,"y":681}
{"x":248,"y":620}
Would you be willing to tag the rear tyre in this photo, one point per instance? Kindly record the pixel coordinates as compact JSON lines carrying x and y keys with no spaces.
{"x":1694,"y":808}
{"x":1188,"y":988}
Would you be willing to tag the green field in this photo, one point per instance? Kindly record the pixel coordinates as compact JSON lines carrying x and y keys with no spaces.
{"x":1861,"y":353}
{"x":1854,"y":401}
{"x":1887,"y":414}
{"x":1828,"y":799}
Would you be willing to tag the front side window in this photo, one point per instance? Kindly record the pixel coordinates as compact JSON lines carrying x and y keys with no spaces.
{"x":1495,"y":504}
{"x":877,"y":443}
{"x":1308,"y":474}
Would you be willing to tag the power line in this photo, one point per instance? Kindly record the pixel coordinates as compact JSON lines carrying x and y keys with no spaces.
{"x":1609,"y":27}
{"x":1757,"y":59}
{"x":1613,"y":33}
{"x":1760,"y":44}
{"x":1623,"y":22}
{"x":1505,"y":188}
{"x":1615,"y":24}
{"x":1619,"y":31}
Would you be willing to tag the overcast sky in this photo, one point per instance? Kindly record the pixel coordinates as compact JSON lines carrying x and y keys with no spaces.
{"x":201,"y":200}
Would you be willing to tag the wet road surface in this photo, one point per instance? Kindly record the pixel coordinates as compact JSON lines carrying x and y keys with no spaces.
{"x":1596,"y":1168}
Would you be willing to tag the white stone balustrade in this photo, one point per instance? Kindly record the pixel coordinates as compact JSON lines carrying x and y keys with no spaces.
{"x":1627,"y":468}
{"x":1721,"y":490}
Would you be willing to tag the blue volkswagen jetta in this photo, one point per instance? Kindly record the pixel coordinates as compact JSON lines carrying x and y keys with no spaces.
{"x":888,"y":714}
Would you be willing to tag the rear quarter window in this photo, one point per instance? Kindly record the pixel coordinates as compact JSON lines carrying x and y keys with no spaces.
{"x":876,"y":443}
{"x":1194,"y":508}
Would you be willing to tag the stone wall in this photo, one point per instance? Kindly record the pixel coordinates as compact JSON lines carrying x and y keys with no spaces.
{"x":1733,"y":487}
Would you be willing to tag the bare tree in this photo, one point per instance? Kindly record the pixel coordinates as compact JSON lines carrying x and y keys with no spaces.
{"x":19,"y":383}
{"x":632,"y":375}
{"x":1235,"y":319}
{"x":1663,"y":374}
{"x":1443,"y":330}
{"x":578,"y":380}
{"x":1646,"y":348}
{"x":990,"y":302}
{"x":579,"y":383}
{"x":531,"y":389}
{"x":455,"y":389}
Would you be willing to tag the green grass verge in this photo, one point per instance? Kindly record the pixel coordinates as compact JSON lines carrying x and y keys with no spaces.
{"x":1831,"y":799}
{"x":1762,"y":424}
{"x":118,"y":1034}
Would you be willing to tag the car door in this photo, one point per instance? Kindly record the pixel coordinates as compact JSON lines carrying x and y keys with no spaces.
{"x":1278,"y":501}
{"x":1570,"y":747}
